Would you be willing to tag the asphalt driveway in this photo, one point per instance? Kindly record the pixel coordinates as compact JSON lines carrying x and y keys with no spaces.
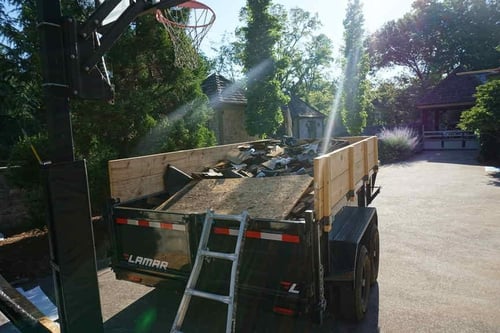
{"x":440,"y":245}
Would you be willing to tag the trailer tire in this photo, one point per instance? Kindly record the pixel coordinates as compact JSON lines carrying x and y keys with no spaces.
{"x":374,"y":252}
{"x":354,"y":298}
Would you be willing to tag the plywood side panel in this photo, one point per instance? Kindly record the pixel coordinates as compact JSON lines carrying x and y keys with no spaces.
{"x":327,"y":197}
{"x":339,"y":187}
{"x":358,"y":151}
{"x":341,"y":171}
{"x":127,"y":176}
{"x":339,"y":161}
{"x":319,"y":175}
{"x":366,"y":168}
{"x":372,"y":160}
{"x":372,"y":152}
{"x":358,"y":161}
{"x":350,"y":178}
{"x":129,"y":189}
{"x":358,"y":171}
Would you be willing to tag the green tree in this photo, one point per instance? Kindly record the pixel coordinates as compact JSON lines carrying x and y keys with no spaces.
{"x":264,"y":95}
{"x":356,"y":89}
{"x":148,"y":89}
{"x":484,"y":119}
{"x":438,"y":36}
{"x":303,"y":57}
{"x":394,"y":102}
{"x":227,"y":61}
{"x":20,"y":83}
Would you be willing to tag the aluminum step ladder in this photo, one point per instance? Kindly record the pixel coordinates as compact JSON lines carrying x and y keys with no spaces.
{"x":204,"y":252}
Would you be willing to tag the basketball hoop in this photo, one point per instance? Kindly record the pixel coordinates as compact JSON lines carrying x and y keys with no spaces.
{"x":187,"y":24}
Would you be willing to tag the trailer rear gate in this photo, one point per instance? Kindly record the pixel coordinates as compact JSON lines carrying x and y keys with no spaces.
{"x":276,"y":255}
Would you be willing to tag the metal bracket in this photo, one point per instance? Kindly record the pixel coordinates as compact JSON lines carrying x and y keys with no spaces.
{"x":115,"y":29}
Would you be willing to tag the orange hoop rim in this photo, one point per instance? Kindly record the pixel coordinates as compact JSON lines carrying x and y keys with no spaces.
{"x":188,"y":5}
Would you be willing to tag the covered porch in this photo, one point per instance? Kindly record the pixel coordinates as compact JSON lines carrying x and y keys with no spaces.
{"x":441,"y":108}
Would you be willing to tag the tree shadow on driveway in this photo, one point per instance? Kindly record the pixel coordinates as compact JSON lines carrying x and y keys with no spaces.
{"x":494,"y":179}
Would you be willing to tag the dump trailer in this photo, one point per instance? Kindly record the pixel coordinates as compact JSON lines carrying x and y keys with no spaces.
{"x":311,"y":242}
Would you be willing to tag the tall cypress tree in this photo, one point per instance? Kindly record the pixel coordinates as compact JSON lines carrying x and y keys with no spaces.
{"x":264,"y":95}
{"x":356,"y":66}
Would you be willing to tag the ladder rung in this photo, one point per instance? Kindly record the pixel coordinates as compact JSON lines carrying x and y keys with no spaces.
{"x":228,"y":217}
{"x":204,"y":294}
{"x":218,"y":255}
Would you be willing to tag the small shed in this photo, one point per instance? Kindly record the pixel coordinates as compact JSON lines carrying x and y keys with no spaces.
{"x":307,"y":122}
{"x":228,"y":100}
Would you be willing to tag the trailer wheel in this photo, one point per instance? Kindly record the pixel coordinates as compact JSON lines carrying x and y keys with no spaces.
{"x":374,"y":252}
{"x":354,"y":299}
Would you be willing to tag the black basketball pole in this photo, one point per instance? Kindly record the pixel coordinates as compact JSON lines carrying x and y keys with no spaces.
{"x":71,"y":238}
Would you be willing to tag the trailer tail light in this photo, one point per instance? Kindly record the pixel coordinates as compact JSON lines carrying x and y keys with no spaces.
{"x":284,"y":311}
{"x":133,"y":278}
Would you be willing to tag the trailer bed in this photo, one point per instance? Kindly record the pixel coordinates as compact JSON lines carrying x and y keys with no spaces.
{"x":267,"y":198}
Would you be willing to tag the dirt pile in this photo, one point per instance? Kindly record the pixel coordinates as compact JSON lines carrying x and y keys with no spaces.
{"x":25,"y":256}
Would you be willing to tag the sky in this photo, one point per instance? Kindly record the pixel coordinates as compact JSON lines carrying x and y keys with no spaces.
{"x":331,"y":14}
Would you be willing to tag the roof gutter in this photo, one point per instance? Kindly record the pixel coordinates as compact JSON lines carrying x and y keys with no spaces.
{"x":433,"y":106}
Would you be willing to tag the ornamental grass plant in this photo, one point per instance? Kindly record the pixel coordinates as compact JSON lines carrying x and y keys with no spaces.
{"x":396,"y":144}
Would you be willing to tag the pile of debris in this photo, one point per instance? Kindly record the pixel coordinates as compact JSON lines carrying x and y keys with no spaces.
{"x":288,"y":157}
{"x":270,"y":158}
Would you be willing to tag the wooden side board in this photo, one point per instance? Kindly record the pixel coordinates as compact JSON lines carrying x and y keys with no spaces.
{"x":337,"y":174}
{"x":139,"y":176}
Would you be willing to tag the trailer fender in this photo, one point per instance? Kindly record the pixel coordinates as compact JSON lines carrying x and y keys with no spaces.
{"x":350,"y":230}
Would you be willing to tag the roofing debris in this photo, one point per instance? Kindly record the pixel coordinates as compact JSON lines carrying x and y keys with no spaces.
{"x":270,"y":158}
{"x":262,"y":159}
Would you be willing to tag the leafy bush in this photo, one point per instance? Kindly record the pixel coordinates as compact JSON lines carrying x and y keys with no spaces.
{"x":484,"y":119}
{"x":185,"y":128}
{"x":396,"y":144}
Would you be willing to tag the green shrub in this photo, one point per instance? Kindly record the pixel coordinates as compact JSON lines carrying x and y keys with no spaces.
{"x":484,"y":119}
{"x":396,"y":144}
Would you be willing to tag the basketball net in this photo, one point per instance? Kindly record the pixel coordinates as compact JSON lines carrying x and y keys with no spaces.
{"x":187,"y":24}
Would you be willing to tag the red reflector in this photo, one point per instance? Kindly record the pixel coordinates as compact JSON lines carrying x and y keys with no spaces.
{"x":284,"y":311}
{"x":143,"y":223}
{"x":121,"y":220}
{"x":291,"y":238}
{"x":166,"y":226}
{"x":221,"y":231}
{"x":253,"y":234}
